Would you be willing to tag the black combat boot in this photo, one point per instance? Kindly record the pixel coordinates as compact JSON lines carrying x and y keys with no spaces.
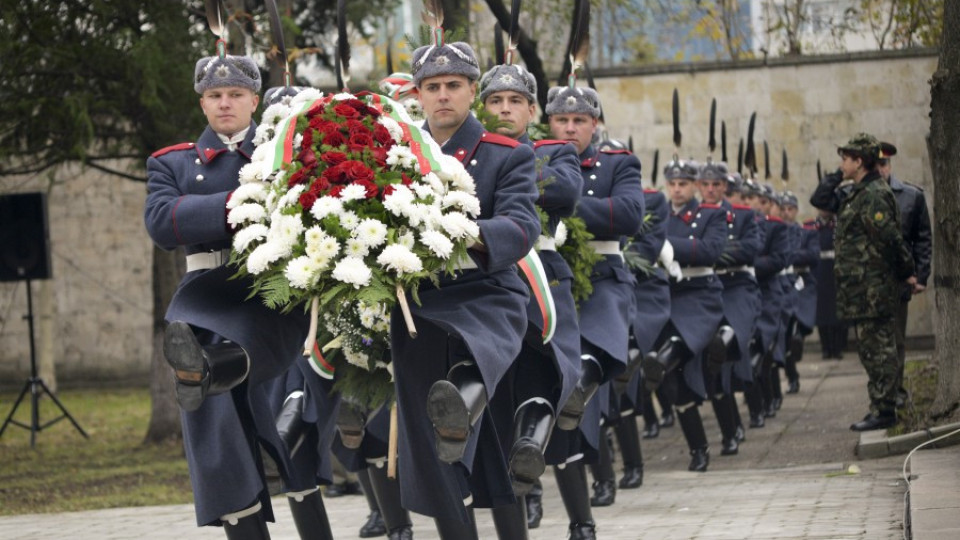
{"x":454,"y":406}
{"x":310,"y":516}
{"x":387,"y":491}
{"x":728,"y":424}
{"x":572,"y":484}
{"x":629,"y":439}
{"x":534,"y":501}
{"x":290,"y":424}
{"x":604,"y":484}
{"x":718,"y":348}
{"x":651,"y":424}
{"x":532,"y":425}
{"x":454,"y":529}
{"x":351,"y":423}
{"x":776,"y":392}
{"x":247,"y":524}
{"x":202,"y":370}
{"x":754,"y":398}
{"x":656,"y":365}
{"x":374,"y":526}
{"x":692,"y":426}
{"x":510,"y":521}
{"x":591,"y":375}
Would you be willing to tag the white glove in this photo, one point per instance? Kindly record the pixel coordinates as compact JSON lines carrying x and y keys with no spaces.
{"x":799,"y":285}
{"x":674,"y":270}
{"x":666,"y":254}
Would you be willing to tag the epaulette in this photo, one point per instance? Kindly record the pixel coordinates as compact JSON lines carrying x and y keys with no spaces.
{"x":651,"y":190}
{"x":548,"y":142}
{"x":774,"y":219}
{"x":174,"y":148}
{"x":810,"y":224}
{"x":741,"y":207}
{"x":496,"y":138}
{"x":711,"y":206}
{"x":616,"y":151}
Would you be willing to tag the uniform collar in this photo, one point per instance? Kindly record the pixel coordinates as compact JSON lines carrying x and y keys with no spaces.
{"x":210,"y":145}
{"x":462,"y":143}
{"x":234,"y":141}
{"x":589,"y":157}
{"x":524,"y":139}
{"x":895,"y":183}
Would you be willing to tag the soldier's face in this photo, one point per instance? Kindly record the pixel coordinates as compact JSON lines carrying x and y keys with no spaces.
{"x":789,"y":213}
{"x":512,"y":109}
{"x":735,"y":197}
{"x":711,"y":191}
{"x":849,"y":166}
{"x":753,"y":201}
{"x":681,"y":191}
{"x":446,"y":101}
{"x":229,"y":109}
{"x":884,"y":168}
{"x":576,"y":128}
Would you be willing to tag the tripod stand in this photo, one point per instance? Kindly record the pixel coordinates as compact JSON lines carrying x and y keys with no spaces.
{"x":36,"y":386}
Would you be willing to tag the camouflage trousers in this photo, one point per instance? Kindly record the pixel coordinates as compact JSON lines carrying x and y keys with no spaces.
{"x":877,"y":345}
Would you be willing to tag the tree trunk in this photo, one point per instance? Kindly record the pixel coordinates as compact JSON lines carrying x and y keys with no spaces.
{"x":168,"y":267}
{"x":943,"y":145}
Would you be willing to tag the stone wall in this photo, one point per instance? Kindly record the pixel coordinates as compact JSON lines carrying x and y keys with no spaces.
{"x":97,"y":312}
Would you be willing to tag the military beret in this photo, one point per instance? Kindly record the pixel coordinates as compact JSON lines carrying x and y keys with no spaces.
{"x":862,"y":144}
{"x":681,"y":170}
{"x":566,"y":100}
{"x":508,"y":77}
{"x":227,"y":71}
{"x":455,"y":58}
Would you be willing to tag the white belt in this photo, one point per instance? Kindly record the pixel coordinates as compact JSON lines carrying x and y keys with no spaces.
{"x":688,"y":272}
{"x":787,"y":271}
{"x":801,"y":269}
{"x":828,"y":254}
{"x":207,"y":260}
{"x":734,"y":269}
{"x":605,"y":247}
{"x":546,"y":243}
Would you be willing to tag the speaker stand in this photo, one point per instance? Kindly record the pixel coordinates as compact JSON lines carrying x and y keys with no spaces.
{"x":36,"y":387}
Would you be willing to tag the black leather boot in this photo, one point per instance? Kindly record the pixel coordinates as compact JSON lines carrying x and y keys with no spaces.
{"x":656,"y":365}
{"x":728,"y":425}
{"x":310,"y":516}
{"x":251,"y":526}
{"x":693,"y":432}
{"x":572,"y":485}
{"x":796,"y":348}
{"x":351,"y":423}
{"x":591,"y":375}
{"x":387,"y":491}
{"x":629,"y":439}
{"x":604,"y":485}
{"x":510,"y":521}
{"x":651,"y":424}
{"x":290,"y":424}
{"x":718,"y":348}
{"x":534,"y":502}
{"x":532,"y":425}
{"x":776,"y":392}
{"x":454,"y":529}
{"x":202,"y":370}
{"x":454,"y":406}
{"x":374,"y":526}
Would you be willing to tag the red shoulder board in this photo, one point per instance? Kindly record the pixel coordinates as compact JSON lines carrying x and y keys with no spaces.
{"x":174,"y":148}
{"x":649,"y":190}
{"x":708,"y":205}
{"x":775,"y":219}
{"x":615,"y":151}
{"x":496,"y":138}
{"x":547,"y":142}
{"x":741,"y":207}
{"x":810,"y":224}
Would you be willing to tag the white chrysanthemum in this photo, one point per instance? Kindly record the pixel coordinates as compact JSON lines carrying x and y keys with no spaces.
{"x":297,"y":142}
{"x":396,"y":132}
{"x":423,"y":191}
{"x":353,"y":192}
{"x":292,"y":197}
{"x":326,"y":206}
{"x":248,"y":235}
{"x":417,"y":214}
{"x":327,"y":248}
{"x":261,"y":257}
{"x":382,"y":325}
{"x":350,"y":220}
{"x":397,"y":202}
{"x":353,"y":271}
{"x":344,"y":96}
{"x":313,"y":236}
{"x":407,"y":240}
{"x":271,"y":202}
{"x":413,"y":107}
{"x":400,"y":156}
{"x":466,"y":202}
{"x":261,"y":153}
{"x":273,"y":114}
{"x":454,"y":173}
{"x":459,"y":226}
{"x":300,"y":272}
{"x":356,"y":358}
{"x":438,"y":243}
{"x":400,"y":259}
{"x":435,"y":182}
{"x":371,"y":232}
{"x":307,"y":95}
{"x":263,"y":134}
{"x":249,"y":173}
{"x":247,"y":213}
{"x":285,"y":228}
{"x":433,"y":219}
{"x":561,"y":235}
{"x":254,"y":191}
{"x":356,"y":248}
{"x":367,"y":319}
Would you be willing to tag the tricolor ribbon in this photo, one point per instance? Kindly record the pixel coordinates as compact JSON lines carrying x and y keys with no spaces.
{"x":532,"y":269}
{"x":424,"y":148}
{"x":319,"y":363}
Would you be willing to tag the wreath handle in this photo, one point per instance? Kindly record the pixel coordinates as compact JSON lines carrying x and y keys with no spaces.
{"x":405,"y":308}
{"x":312,"y":333}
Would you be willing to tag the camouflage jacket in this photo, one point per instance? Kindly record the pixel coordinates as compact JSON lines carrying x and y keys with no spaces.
{"x":872,"y":260}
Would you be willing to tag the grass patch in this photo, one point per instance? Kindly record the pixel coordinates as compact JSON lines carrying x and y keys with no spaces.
{"x":65,"y":472}
{"x":920,"y":380}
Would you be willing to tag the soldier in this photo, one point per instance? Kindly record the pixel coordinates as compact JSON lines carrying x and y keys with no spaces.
{"x":216,"y":339}
{"x":612,"y":207}
{"x":543,"y":375}
{"x":728,"y":356}
{"x":915,"y":223}
{"x":470,"y":327}
{"x":832,"y":331}
{"x":805,"y":259}
{"x":698,"y":235}
{"x":872,"y":263}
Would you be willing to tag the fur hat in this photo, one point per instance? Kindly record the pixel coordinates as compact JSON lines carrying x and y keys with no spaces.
{"x":566,"y":100}
{"x":788,"y":198}
{"x":276,"y":94}
{"x":713,"y":170}
{"x":508,"y":77}
{"x":681,"y":170}
{"x":228,"y":71}
{"x":455,"y":58}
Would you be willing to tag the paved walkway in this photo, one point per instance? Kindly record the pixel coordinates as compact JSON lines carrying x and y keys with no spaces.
{"x":796,"y":478}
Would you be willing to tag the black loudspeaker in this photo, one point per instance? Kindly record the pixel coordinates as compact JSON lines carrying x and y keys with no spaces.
{"x":24,"y":237}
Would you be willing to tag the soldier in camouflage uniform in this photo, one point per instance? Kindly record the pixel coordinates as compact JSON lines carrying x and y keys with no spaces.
{"x":872,"y":263}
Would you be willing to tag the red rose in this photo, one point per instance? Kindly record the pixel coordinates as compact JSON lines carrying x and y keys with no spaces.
{"x":346,"y":111}
{"x":319,"y":186}
{"x":307,"y":157}
{"x":387,"y":190}
{"x":379,"y":154}
{"x":334,"y":138}
{"x":307,"y":198}
{"x":382,"y":135}
{"x":405,"y":180}
{"x":354,"y":125}
{"x":371,"y":189}
{"x":335,"y":174}
{"x":356,"y":170}
{"x":299,"y":177}
{"x":360,"y":139}
{"x":335,"y":190}
{"x":358,"y":105}
{"x":333,"y":158}
{"x":307,"y":138}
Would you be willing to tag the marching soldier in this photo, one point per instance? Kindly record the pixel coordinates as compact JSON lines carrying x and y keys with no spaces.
{"x":805,"y":259}
{"x":832,"y":331}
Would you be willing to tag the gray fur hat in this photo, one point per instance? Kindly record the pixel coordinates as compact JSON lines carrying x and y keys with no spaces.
{"x":681,"y":170}
{"x":787,"y":198}
{"x":734,"y":183}
{"x":455,"y":58}
{"x":510,"y":77}
{"x":276,"y":94}
{"x":566,"y":100}
{"x":713,"y":170}
{"x":217,"y":72}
